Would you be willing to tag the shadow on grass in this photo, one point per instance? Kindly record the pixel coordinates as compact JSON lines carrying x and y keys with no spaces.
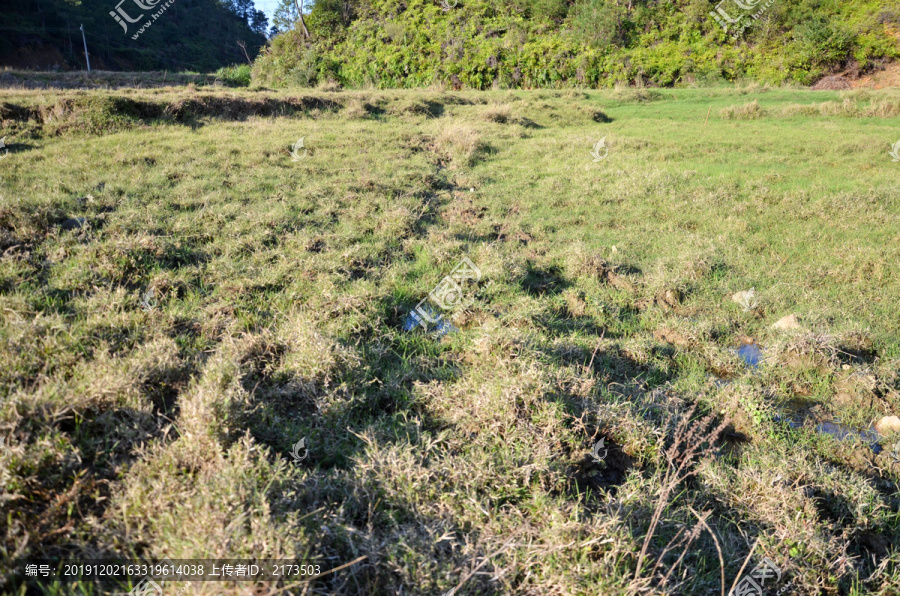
{"x":544,"y":281}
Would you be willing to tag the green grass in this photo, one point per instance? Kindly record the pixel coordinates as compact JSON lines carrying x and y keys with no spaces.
{"x":280,"y":289}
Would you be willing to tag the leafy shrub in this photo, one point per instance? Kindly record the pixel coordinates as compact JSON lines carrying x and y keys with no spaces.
{"x":598,"y":23}
{"x":828,"y":43}
{"x":328,"y":18}
{"x":553,"y":10}
{"x":290,"y":61}
{"x":235,"y":76}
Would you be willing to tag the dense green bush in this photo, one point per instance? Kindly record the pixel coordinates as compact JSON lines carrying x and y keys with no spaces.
{"x":589,"y":43}
{"x":235,"y":76}
{"x":826,"y":42}
{"x":599,"y":23}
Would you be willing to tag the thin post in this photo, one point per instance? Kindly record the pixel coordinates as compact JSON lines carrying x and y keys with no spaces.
{"x":86,"y":58}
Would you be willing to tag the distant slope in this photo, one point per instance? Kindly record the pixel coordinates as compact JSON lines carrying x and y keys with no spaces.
{"x":187,"y":35}
{"x":594,"y":43}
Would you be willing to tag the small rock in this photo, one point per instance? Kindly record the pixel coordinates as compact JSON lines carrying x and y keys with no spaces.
{"x":888,"y":424}
{"x":788,"y":322}
{"x":472,"y":189}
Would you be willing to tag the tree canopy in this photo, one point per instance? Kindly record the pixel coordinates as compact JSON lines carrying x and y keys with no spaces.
{"x":200,"y":35}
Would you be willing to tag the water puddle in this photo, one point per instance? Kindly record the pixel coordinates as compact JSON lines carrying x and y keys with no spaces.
{"x":751,"y":354}
{"x":839,"y":431}
{"x":791,"y":422}
{"x":842,"y":432}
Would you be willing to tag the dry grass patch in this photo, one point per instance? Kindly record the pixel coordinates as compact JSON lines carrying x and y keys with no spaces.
{"x":461,"y":141}
{"x":847,"y":108}
{"x":629,"y":95}
{"x":500,"y":113}
{"x":747,"y":111}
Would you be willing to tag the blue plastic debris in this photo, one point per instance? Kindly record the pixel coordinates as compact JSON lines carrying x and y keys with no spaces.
{"x":411,"y":321}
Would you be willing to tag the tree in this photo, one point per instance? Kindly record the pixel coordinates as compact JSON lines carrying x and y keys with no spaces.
{"x":195,"y":35}
{"x":299,"y":4}
{"x":288,"y":13}
{"x":284,"y":18}
{"x":259,"y":22}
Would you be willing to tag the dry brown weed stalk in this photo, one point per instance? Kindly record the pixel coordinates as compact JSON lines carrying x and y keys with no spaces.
{"x":692,"y":442}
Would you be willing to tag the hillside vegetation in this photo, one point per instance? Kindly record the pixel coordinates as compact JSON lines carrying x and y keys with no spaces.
{"x":183,"y":301}
{"x":585,"y":43}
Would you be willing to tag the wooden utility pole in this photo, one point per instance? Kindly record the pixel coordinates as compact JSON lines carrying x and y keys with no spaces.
{"x":86,"y":58}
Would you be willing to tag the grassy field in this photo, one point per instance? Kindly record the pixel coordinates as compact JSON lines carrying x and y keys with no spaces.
{"x":182,"y":301}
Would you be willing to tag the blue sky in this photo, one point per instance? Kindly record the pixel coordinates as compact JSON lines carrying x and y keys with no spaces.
{"x":268,"y":7}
